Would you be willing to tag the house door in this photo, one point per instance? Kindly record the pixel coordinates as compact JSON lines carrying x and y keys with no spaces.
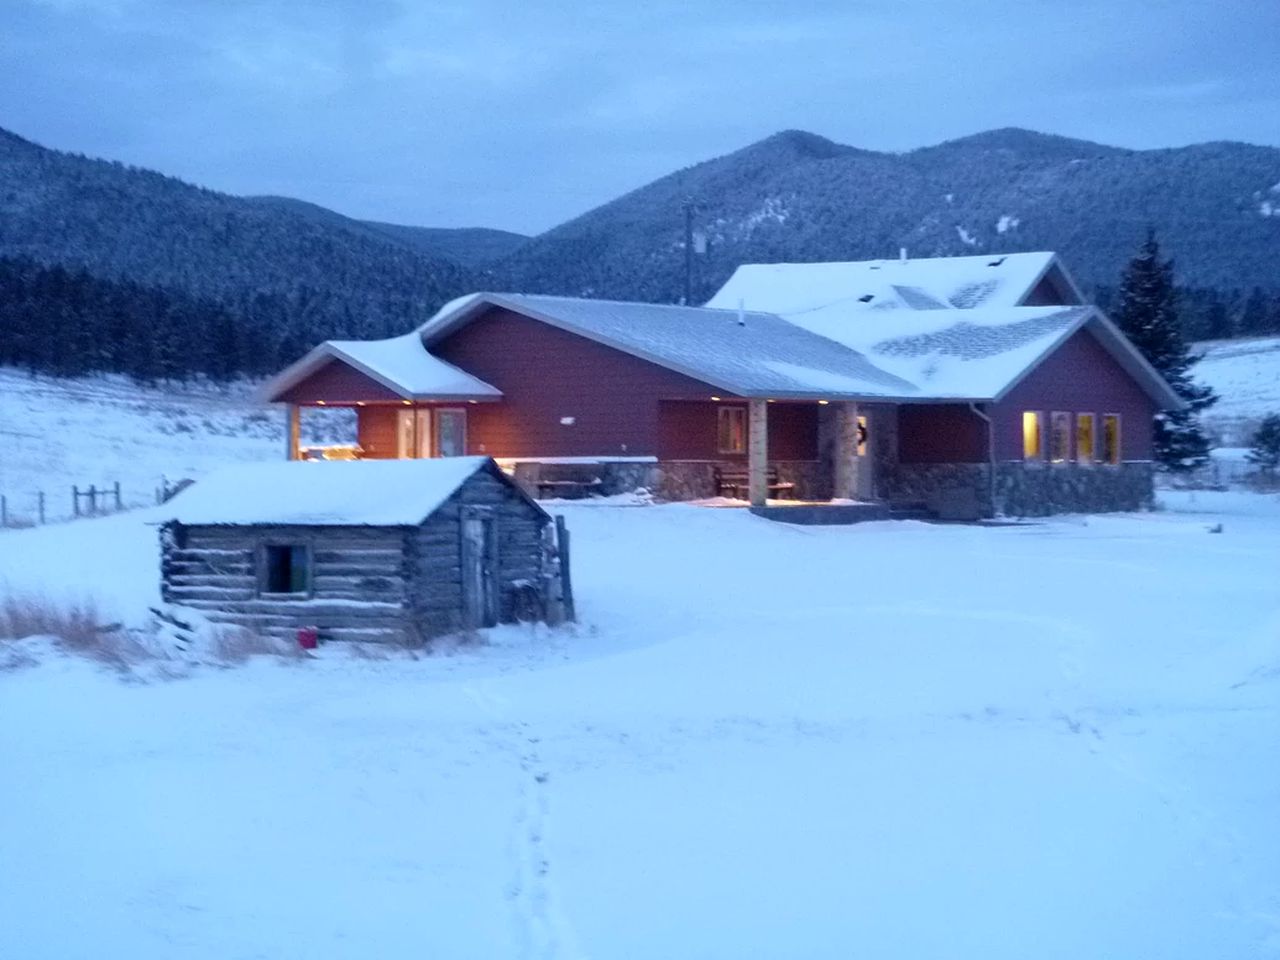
{"x":479,"y":567}
{"x":864,"y":470}
{"x":451,"y":433}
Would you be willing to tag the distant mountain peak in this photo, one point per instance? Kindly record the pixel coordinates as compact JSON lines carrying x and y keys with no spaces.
{"x":1023,"y":141}
{"x":801,"y":144}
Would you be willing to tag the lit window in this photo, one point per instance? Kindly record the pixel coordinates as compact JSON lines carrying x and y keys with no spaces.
{"x":1086,"y":438}
{"x":285,"y":568}
{"x":1032,"y":448}
{"x":1111,"y":438}
{"x":733,"y":429}
{"x":1060,"y":437}
{"x":862,"y":436}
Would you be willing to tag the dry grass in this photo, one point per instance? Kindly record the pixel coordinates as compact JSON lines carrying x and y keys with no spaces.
{"x":74,"y":626}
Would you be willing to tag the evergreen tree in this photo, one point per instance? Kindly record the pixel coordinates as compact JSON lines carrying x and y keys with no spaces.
{"x":1264,"y":452}
{"x":1148,"y":315}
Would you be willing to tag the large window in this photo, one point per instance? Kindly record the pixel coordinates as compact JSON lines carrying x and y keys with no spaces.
{"x":1111,"y":438}
{"x":285,"y":568}
{"x":1086,"y":438}
{"x":1032,"y":436}
{"x":1060,"y":436}
{"x":732,"y":429}
{"x":451,"y":433}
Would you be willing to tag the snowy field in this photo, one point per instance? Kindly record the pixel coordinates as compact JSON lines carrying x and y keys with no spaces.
{"x":55,"y":433}
{"x":893,"y":740}
{"x":1246,"y":376}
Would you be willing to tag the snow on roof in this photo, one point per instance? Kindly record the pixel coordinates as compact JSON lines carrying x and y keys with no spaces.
{"x":402,"y":364}
{"x":761,"y":356}
{"x":994,"y":280}
{"x":323,"y":493}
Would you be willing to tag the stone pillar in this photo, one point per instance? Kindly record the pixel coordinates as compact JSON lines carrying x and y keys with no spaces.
{"x":293,"y":432}
{"x":758,"y":452}
{"x":845,"y":457}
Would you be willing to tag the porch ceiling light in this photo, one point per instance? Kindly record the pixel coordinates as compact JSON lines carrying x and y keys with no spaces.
{"x":319,"y":403}
{"x":823,"y":402}
{"x":716,"y":399}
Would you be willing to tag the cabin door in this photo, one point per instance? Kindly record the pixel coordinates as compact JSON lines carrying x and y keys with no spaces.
{"x":479,"y":567}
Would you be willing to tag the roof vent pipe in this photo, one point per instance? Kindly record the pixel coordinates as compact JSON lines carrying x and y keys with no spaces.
{"x":742,"y":312}
{"x":902,"y":254}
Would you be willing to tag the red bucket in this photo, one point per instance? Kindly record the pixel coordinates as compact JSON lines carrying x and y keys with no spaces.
{"x":309,"y":638}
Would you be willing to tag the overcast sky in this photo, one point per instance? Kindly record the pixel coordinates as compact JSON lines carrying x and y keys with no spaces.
{"x":522,"y":114}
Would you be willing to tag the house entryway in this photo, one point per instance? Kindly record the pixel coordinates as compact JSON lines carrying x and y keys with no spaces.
{"x":479,"y":567}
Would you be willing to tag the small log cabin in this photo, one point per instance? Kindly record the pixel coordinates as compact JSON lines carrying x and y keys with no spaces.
{"x":375,"y":550}
{"x":969,"y":386}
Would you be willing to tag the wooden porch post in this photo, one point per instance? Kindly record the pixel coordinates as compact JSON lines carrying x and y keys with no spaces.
{"x":845,"y":467}
{"x":293,"y":432}
{"x":758,"y":452}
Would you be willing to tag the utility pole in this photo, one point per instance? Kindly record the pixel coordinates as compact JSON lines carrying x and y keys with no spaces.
{"x":688,"y":207}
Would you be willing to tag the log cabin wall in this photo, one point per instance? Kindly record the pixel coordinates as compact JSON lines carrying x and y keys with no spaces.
{"x":362,"y":570}
{"x":436,"y":553}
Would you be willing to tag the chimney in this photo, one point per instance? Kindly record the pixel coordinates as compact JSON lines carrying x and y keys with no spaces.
{"x":742,"y":312}
{"x":902,"y":254}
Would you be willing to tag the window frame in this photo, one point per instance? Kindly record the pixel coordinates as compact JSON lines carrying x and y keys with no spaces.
{"x":725,"y":414}
{"x":437,"y":432}
{"x":1092,"y":454}
{"x":1039,"y":455}
{"x":263,"y":568}
{"x":1106,"y":460}
{"x":1059,"y":418}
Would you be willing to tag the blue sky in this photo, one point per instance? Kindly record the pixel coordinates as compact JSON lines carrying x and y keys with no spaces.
{"x":521,"y":115}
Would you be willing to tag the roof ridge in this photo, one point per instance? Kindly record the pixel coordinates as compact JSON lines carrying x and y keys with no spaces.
{"x":732,"y":311}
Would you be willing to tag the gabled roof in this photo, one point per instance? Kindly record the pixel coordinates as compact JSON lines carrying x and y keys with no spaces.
{"x":401,"y":364}
{"x":995,"y":280}
{"x":750,"y":354}
{"x":325,"y":493}
{"x":976,"y":354}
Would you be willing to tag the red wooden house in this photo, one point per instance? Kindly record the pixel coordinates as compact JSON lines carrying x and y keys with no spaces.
{"x":926,"y":381}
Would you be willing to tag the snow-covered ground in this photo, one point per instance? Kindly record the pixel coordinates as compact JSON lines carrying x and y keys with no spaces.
{"x":1246,"y":376}
{"x":1051,"y":740}
{"x":55,"y":433}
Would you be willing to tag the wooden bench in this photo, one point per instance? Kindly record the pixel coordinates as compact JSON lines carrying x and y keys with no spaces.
{"x":568,"y":489}
{"x":735,"y":483}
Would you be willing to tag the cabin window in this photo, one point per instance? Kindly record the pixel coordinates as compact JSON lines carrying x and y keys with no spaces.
{"x":1032,"y":436}
{"x":862,"y":436}
{"x":1111,"y":438}
{"x":1060,"y":437}
{"x":1086,"y":438}
{"x":286,"y":568}
{"x":733,"y":429}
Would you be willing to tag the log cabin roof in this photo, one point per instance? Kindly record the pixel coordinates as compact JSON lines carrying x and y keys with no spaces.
{"x":326,"y":493}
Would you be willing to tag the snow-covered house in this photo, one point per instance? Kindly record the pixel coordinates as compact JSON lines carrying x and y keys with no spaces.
{"x":374,"y":550}
{"x":972,"y":385}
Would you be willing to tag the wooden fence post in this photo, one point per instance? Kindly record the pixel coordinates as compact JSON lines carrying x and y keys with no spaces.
{"x":40,"y":505}
{"x":566,"y":583}
{"x":4,"y":511}
{"x":75,"y":501}
{"x":117,"y":491}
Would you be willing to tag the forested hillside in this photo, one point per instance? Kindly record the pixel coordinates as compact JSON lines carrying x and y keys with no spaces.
{"x":327,"y":274}
{"x":107,"y":267}
{"x":797,"y":196}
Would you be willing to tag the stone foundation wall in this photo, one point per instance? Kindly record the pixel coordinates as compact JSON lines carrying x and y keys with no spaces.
{"x":1037,"y":490}
{"x":1022,"y":489}
{"x":945,"y":489}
